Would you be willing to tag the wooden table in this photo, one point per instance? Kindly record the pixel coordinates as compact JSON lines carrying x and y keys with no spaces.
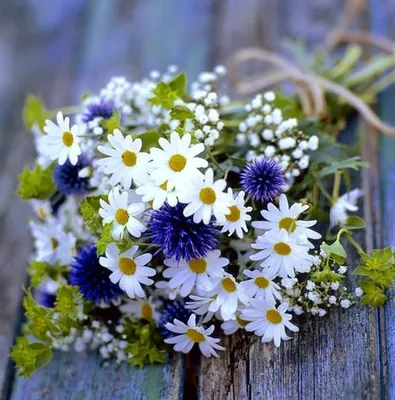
{"x":59,"y":49}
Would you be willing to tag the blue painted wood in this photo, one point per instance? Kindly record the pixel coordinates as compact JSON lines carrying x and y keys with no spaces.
{"x":85,"y":377}
{"x":382,"y":23}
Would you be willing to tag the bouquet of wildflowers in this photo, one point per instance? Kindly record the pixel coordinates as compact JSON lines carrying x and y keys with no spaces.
{"x":167,"y":215}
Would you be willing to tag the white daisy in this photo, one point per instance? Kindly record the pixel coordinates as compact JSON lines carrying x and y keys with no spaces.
{"x":206,"y":198}
{"x":286,"y":217}
{"x":229,"y":295}
{"x":141,"y":308}
{"x":236,"y":219}
{"x":42,"y":209}
{"x":52,"y":243}
{"x":189,"y":334}
{"x":200,"y":305}
{"x":346,"y":202}
{"x":61,"y":142}
{"x":128,"y":270}
{"x":233,"y":325}
{"x":166,"y":291}
{"x":281,"y":254}
{"x":268,"y":321}
{"x":199,"y":272}
{"x":125,"y":162}
{"x":121,"y":213}
{"x":157,"y":194}
{"x":176,"y":163}
{"x":261,"y":285}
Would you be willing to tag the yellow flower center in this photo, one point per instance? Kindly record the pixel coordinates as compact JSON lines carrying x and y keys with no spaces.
{"x":198,"y":266}
{"x":68,"y":138}
{"x":146,"y":311}
{"x":287,"y":223}
{"x":240,"y":321}
{"x":234,"y":214}
{"x":274,"y":316}
{"x":195,"y":336}
{"x":129,"y":158}
{"x":177,"y":162}
{"x":127,"y":266}
{"x":54,"y":243}
{"x":229,"y":285}
{"x":41,"y":212}
{"x":122,"y":216}
{"x":207,"y":196}
{"x":261,"y":282}
{"x":282,"y":248}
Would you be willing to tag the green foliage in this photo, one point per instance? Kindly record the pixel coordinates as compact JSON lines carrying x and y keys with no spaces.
{"x":90,"y":213}
{"x":150,"y":139}
{"x":68,"y":300}
{"x":350,"y":163}
{"x":34,"y":112}
{"x":105,"y":239}
{"x":378,"y":271}
{"x":354,"y":222}
{"x":335,"y":251}
{"x":181,"y":113}
{"x":326,"y":275}
{"x":112,"y":123}
{"x":145,"y":343}
{"x":166,"y":93}
{"x":37,"y":183}
{"x":28,"y":357}
{"x":37,"y":271}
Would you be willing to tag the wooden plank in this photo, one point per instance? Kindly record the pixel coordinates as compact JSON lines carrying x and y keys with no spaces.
{"x":382,"y":17}
{"x":83,"y":376}
{"x":337,"y":356}
{"x":128,"y":38}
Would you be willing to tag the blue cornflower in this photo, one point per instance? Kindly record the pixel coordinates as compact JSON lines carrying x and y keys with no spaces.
{"x":67,"y":177}
{"x":173,"y":310}
{"x":91,"y":278}
{"x":103,"y":109}
{"x":178,"y":236}
{"x":263,"y":180}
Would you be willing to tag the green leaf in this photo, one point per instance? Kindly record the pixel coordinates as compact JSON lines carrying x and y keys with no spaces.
{"x":327,"y":275}
{"x":28,"y":357}
{"x":149,"y":139}
{"x":113,"y":123}
{"x":335,"y":251}
{"x":351,"y":57}
{"x":90,"y":213}
{"x":179,"y":84}
{"x":37,"y":183}
{"x":34,"y":112}
{"x":354,"y":222}
{"x":375,"y":299}
{"x":68,"y":299}
{"x":362,"y":271}
{"x":350,"y":163}
{"x":181,"y":113}
{"x":37,"y":271}
{"x":105,"y":239}
{"x":164,"y":96}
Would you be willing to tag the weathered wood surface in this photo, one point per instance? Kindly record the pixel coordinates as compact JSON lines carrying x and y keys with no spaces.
{"x":63,"y":48}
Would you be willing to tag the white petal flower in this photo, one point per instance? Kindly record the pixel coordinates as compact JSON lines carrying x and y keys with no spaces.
{"x":206,"y":198}
{"x":229,"y":295}
{"x":176,"y":163}
{"x":141,"y":308}
{"x":189,"y":334}
{"x":127,"y":270}
{"x":235,"y":221}
{"x":157,"y":194}
{"x":233,"y":325}
{"x":124,"y":162}
{"x":286,"y":217}
{"x":346,"y":202}
{"x":52,"y":243}
{"x":61,"y":142}
{"x":199,"y":272}
{"x":281,"y":254}
{"x":121,"y":214}
{"x":268,"y":321}
{"x":261,"y":285}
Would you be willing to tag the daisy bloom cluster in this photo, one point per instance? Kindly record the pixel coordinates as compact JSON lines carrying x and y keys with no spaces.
{"x":161,"y":222}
